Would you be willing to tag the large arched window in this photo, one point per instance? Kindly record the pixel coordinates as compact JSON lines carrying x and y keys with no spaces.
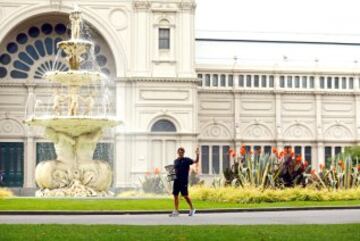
{"x":31,"y":50}
{"x":163,"y":126}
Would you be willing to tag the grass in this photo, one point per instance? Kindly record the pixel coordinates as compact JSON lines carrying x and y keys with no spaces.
{"x":146,"y":204}
{"x":181,"y":233}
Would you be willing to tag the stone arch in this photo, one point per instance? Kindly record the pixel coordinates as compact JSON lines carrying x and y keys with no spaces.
{"x":215,"y":130}
{"x":298,"y":131}
{"x":11,"y":127}
{"x":90,"y":16}
{"x":257,"y":131}
{"x":169,"y":118}
{"x":338,"y":132}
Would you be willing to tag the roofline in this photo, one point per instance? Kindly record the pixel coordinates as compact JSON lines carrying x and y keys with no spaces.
{"x":275,"y":41}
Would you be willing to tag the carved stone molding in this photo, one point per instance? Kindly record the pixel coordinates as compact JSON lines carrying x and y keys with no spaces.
{"x":10,"y":127}
{"x":338,"y":132}
{"x":142,"y":5}
{"x":257,"y":131}
{"x":187,"y":5}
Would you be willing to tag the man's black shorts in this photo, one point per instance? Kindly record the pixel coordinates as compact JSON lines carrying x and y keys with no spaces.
{"x":180,"y":186}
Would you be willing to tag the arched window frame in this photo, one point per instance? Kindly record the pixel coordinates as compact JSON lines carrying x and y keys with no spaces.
{"x":163,"y":120}
{"x":164,"y":54}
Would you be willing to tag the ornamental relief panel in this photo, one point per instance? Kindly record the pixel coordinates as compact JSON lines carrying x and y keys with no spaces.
{"x":257,"y":132}
{"x":215,"y":130}
{"x":298,"y":132}
{"x":11,"y":127}
{"x":338,"y":132}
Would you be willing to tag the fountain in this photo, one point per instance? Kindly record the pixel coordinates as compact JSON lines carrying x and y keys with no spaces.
{"x":74,"y":133}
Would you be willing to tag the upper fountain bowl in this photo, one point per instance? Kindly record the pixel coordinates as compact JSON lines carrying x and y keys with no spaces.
{"x":75,"y":47}
{"x":74,"y":77}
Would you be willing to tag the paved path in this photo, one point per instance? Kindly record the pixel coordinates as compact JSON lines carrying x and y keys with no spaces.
{"x":244,"y":218}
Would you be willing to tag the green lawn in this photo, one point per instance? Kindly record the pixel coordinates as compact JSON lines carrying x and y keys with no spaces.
{"x":145,"y":204}
{"x":181,"y":233}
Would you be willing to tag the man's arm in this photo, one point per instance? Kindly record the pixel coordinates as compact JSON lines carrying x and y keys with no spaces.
{"x":197,"y":155}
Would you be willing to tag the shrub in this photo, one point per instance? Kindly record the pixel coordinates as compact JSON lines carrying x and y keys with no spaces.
{"x":5,"y":193}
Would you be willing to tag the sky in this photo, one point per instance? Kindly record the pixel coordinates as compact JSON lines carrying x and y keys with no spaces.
{"x":337,"y":20}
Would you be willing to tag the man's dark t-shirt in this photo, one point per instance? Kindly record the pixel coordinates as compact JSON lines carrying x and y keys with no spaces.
{"x":182,"y":167}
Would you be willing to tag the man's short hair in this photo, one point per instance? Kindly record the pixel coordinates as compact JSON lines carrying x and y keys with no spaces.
{"x":181,"y":149}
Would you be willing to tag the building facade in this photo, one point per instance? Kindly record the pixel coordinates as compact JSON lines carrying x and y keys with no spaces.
{"x":166,"y":92}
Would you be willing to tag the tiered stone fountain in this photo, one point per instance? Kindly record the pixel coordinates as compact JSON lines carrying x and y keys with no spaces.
{"x":74,"y":173}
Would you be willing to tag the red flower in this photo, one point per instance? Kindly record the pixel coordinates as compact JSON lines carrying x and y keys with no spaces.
{"x":322,"y":166}
{"x":274,"y":150}
{"x":157,"y":171}
{"x":298,"y":159}
{"x":313,"y":172}
{"x":306,"y":164}
{"x":243,"y":150}
{"x":341,"y":164}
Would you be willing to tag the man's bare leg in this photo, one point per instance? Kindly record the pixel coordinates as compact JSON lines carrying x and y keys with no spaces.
{"x":188,"y":200}
{"x":176,"y":202}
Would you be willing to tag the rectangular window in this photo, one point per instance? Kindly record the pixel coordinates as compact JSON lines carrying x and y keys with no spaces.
{"x":304,"y":82}
{"x":297,"y":81}
{"x":312,"y":82}
{"x":336,"y":82}
{"x":205,"y":159}
{"x":45,"y":151}
{"x":289,"y":82}
{"x":207,"y":80}
{"x":322,"y":82}
{"x":241,"y":80}
{"x":343,"y":82}
{"x":308,"y":154}
{"x":223,"y":80}
{"x":351,"y":83}
{"x":248,"y":149}
{"x":248,"y":80}
{"x":267,"y":150}
{"x":200,"y":77}
{"x":230,"y":80}
{"x":271,"y":81}
{"x":337,"y":150}
{"x":282,"y":81}
{"x":256,"y":81}
{"x":257,"y":152}
{"x":297,"y":151}
{"x":215,"y":79}
{"x":215,"y":160}
{"x":164,"y":38}
{"x":226,"y":159}
{"x":329,"y":82}
{"x":263,"y":80}
{"x":327,"y":156}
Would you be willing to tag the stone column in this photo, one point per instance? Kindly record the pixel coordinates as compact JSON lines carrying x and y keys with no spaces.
{"x":357,"y":117}
{"x":29,"y":163}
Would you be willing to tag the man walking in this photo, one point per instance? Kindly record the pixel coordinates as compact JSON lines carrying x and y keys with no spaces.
{"x":182,"y":167}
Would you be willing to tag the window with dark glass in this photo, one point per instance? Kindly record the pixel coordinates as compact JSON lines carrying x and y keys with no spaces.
{"x":351,"y":83}
{"x":336,"y":82}
{"x":322,"y":82}
{"x":200,"y":77}
{"x":343,"y":82}
{"x":327,"y":156}
{"x":308,"y":154}
{"x":215,"y":160}
{"x":248,"y":149}
{"x":215,"y":78}
{"x":257,"y":152}
{"x":271,"y":81}
{"x":263,"y":80}
{"x":312,"y":82}
{"x":164,"y":38}
{"x":256,"y":81}
{"x":205,"y":159}
{"x":248,"y":80}
{"x":223,"y":80}
{"x":304,"y":82}
{"x":289,"y":82}
{"x":163,"y":126}
{"x":241,"y":80}
{"x":207,"y":80}
{"x":337,"y":150}
{"x":329,"y":82}
{"x":225,"y":155}
{"x":297,"y":81}
{"x":230,"y":80}
{"x":282,"y":81}
{"x":297,"y":151}
{"x":267,"y":150}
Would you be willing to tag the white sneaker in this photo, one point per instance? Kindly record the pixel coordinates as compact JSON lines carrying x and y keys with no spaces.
{"x":174,"y":214}
{"x":192,"y":212}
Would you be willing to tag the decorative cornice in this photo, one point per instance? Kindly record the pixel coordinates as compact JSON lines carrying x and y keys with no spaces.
{"x":158,"y":79}
{"x":187,"y":5}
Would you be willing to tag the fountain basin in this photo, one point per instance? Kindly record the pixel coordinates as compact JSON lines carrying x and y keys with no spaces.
{"x":73,"y":125}
{"x":75,"y":47}
{"x":74,"y":77}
